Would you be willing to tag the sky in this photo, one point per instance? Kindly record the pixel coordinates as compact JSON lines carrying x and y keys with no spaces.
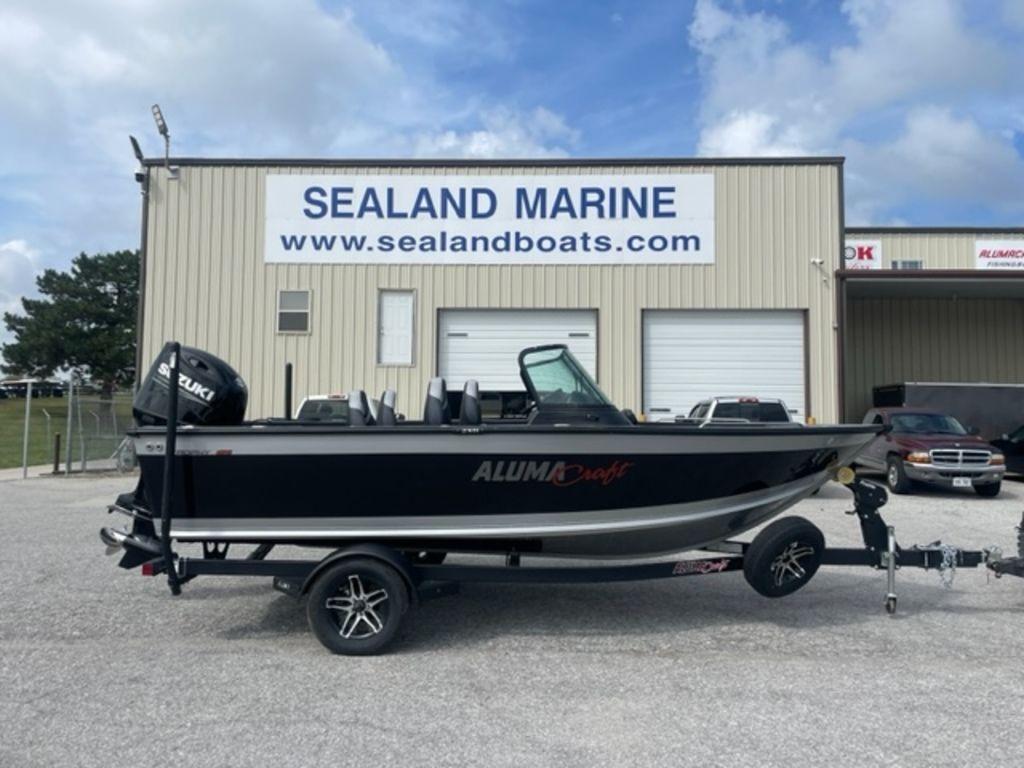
{"x":925,"y":98}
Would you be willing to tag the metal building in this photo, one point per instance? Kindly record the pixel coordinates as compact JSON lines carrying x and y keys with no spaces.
{"x":732,"y":291}
{"x":929,"y":305}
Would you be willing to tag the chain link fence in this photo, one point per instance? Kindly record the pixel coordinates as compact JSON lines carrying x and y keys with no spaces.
{"x":69,"y":429}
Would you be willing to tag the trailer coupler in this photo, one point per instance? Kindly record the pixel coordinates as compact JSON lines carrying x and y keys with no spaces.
{"x":881,"y":549}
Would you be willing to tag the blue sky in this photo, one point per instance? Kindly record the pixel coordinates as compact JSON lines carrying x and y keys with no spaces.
{"x":925,"y":98}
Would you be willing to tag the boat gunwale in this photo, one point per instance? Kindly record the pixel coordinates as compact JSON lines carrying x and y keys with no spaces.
{"x":284,"y":428}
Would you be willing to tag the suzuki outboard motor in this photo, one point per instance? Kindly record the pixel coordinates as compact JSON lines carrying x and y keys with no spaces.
{"x":210,"y":392}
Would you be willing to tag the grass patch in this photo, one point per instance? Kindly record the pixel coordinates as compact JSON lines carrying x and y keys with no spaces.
{"x":97,"y":435}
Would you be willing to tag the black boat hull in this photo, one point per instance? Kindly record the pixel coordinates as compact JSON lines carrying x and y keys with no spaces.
{"x":611,"y":492}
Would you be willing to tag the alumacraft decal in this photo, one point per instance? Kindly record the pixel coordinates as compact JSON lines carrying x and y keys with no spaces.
{"x":186,"y":383}
{"x":687,"y":567}
{"x":558,"y":473}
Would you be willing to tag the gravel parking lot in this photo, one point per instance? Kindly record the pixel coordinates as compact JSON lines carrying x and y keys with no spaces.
{"x":101,"y":667}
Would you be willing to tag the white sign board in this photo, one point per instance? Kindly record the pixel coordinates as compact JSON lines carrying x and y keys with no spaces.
{"x":999,"y":254}
{"x":490,"y":219}
{"x":862,"y":254}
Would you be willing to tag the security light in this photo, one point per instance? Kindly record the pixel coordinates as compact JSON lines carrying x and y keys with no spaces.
{"x":136,"y":149}
{"x":161,"y":126}
{"x":140,"y":173}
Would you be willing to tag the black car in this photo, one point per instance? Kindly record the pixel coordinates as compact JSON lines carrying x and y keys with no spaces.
{"x":1012,"y":446}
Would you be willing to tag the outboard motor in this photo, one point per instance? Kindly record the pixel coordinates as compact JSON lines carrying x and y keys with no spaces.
{"x":210,"y":392}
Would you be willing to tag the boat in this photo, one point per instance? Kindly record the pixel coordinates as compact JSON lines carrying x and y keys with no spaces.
{"x":573,"y":476}
{"x":390,"y":498}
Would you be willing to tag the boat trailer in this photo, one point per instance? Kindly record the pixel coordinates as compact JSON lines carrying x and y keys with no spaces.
{"x":358,"y":595}
{"x":781,"y":559}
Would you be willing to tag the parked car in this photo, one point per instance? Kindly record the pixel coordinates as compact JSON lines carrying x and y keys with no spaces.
{"x":933,"y":448}
{"x":332,"y":408}
{"x":1012,"y":447}
{"x":739,"y":409}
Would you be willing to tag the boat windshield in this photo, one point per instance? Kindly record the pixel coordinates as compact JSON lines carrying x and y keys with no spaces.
{"x":555,"y":377}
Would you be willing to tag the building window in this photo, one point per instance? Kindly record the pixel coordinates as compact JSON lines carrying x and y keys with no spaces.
{"x":293,"y":312}
{"x":395,"y":328}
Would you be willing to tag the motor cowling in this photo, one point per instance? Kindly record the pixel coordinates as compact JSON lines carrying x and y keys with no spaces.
{"x":210,"y":392}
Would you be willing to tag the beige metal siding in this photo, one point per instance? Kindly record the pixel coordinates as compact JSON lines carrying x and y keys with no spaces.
{"x":895,"y":340}
{"x":939,"y":250}
{"x":207,"y":284}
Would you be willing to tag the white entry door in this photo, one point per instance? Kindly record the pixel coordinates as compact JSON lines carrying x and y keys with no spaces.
{"x":690,"y":355}
{"x":484,"y":344}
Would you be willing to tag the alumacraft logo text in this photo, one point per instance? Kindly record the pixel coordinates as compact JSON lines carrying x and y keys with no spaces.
{"x":560,"y":473}
{"x":187,"y":384}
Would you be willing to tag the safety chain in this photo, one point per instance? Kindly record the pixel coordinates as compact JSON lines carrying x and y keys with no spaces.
{"x":947,"y":568}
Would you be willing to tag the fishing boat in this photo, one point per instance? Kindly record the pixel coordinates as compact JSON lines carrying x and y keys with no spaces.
{"x":573,"y":476}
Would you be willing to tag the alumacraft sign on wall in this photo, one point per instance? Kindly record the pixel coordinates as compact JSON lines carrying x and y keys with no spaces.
{"x":999,"y":254}
{"x":490,"y":219}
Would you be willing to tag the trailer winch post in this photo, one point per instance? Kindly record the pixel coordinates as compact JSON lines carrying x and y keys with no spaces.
{"x":170,"y":447}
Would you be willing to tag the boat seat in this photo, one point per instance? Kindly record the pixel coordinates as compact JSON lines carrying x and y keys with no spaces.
{"x":359,"y":414}
{"x":436,"y":409}
{"x":469,"y":409}
{"x":386,"y":410}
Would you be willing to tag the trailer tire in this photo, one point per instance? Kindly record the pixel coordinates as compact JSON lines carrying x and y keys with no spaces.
{"x":357,"y":605}
{"x":784,"y":556}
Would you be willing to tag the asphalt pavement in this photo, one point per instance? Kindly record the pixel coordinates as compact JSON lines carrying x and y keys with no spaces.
{"x":103,"y":667}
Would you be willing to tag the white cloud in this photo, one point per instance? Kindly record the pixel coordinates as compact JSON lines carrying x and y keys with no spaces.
{"x":751,"y":134}
{"x":234,"y":78}
{"x":882,"y":98}
{"x":19,"y":266}
{"x":505,"y":133}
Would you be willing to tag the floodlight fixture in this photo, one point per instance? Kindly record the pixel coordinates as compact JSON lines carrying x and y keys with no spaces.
{"x":136,"y":149}
{"x":140,"y":173}
{"x":161,"y":126}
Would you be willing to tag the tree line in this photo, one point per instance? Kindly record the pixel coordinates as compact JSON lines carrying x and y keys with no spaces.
{"x":82,"y":324}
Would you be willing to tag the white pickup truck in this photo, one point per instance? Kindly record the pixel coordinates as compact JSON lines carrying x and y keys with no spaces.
{"x":737,"y":410}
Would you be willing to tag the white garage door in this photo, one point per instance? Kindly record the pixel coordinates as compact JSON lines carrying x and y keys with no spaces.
{"x":484,"y":344}
{"x":692,"y":355}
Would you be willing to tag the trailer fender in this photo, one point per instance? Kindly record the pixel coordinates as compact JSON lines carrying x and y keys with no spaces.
{"x":386,"y":555}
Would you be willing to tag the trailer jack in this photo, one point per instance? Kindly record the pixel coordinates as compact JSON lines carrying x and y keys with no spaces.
{"x":881,"y":549}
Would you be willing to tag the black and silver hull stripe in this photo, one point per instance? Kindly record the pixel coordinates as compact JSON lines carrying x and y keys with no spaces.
{"x":511,"y":526}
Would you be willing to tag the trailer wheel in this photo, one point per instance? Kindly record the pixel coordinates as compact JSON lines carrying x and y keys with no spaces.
{"x":356,"y":606}
{"x":784,"y":556}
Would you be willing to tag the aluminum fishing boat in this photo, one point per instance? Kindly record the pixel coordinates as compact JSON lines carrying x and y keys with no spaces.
{"x":573,"y":475}
{"x":389,"y":498}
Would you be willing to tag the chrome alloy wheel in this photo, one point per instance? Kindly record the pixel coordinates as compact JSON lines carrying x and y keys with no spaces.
{"x":787,"y":566}
{"x":894,"y":475}
{"x":359,"y":610}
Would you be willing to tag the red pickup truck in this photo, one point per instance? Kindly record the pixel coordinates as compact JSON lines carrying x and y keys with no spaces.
{"x":932,"y":448}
